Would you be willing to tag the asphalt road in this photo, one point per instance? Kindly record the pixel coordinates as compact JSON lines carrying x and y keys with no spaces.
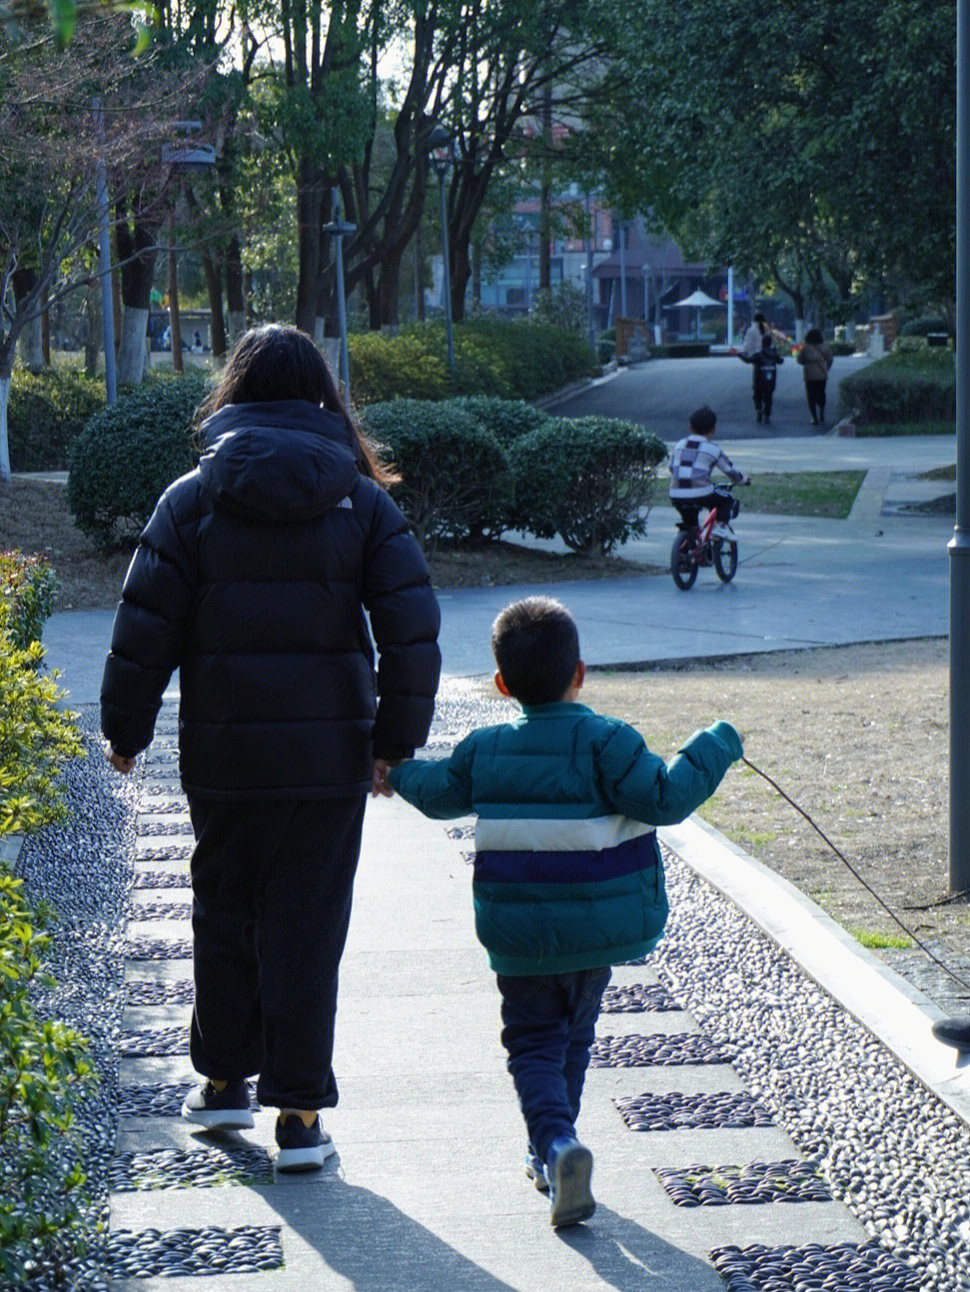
{"x":661,"y":393}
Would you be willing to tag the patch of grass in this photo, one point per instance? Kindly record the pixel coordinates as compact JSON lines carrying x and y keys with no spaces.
{"x":881,"y":941}
{"x":803,"y":493}
{"x":874,"y":431}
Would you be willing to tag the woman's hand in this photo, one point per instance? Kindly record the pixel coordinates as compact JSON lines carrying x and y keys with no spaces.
{"x":120,"y":764}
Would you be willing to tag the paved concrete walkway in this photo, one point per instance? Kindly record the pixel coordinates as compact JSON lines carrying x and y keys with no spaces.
{"x":427,"y":1190}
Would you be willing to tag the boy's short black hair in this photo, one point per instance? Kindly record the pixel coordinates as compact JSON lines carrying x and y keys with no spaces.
{"x":536,"y":648}
{"x":703,"y":420}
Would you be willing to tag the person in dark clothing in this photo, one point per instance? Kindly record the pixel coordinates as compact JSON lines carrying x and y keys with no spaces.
{"x":816,"y":359}
{"x":765,"y":363}
{"x":252,"y":578}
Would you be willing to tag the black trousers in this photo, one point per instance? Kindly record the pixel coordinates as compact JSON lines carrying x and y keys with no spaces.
{"x":763,"y":393}
{"x":815,"y":394}
{"x":272,"y":884}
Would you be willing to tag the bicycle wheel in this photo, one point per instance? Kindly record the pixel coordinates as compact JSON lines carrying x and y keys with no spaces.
{"x":683,"y":571}
{"x":725,"y":558}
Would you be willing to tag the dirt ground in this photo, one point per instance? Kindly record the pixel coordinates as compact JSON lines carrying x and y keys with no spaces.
{"x":34,"y":518}
{"x":856,"y":735}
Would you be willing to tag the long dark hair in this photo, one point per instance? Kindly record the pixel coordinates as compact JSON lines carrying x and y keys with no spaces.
{"x":277,"y":362}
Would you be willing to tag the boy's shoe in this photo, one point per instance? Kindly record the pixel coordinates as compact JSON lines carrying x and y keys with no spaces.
{"x":722,"y":531}
{"x":219,"y":1109}
{"x":758,"y":418}
{"x":302,"y":1148}
{"x":953,"y":1031}
{"x":568,"y":1171}
{"x":535,"y":1171}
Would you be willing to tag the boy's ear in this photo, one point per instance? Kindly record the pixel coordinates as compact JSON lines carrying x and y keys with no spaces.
{"x":579,"y":676}
{"x":500,"y":685}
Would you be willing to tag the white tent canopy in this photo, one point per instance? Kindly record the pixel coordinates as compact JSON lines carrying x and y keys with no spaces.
{"x":697,"y":299}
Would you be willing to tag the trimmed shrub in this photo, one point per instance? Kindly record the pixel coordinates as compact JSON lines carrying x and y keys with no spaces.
{"x":924,"y":325}
{"x":27,"y":589}
{"x":906,"y":386}
{"x":45,"y":1067}
{"x":587,"y":480}
{"x":507,"y":419}
{"x":392,"y":367}
{"x":128,"y":453}
{"x":455,"y":477}
{"x":46,"y":413}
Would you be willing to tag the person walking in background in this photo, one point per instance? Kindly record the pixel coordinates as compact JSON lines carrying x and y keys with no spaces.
{"x":755,"y":335}
{"x":568,"y":878}
{"x":765,"y":376}
{"x":252,"y":578}
{"x":816,"y":360}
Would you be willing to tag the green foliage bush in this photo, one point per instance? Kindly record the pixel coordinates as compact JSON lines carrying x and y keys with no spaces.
{"x":455,"y":477}
{"x":517,"y":359}
{"x":587,"y":480}
{"x":45,"y":1067}
{"x":27,"y":588}
{"x":46,"y":413}
{"x":924,"y":325}
{"x":129,"y":452}
{"x":906,"y":386}
{"x":507,"y":419}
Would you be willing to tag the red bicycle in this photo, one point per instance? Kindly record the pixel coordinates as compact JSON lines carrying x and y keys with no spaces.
{"x":697,"y":545}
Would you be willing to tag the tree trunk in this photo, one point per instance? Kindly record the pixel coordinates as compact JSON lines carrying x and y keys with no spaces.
{"x":545,"y":194}
{"x":4,"y":439}
{"x":309,"y":197}
{"x":213,"y":282}
{"x":136,"y":255}
{"x":31,"y":341}
{"x":93,"y":331}
{"x":235,"y":298}
{"x":174,"y":315}
{"x":461,"y":272}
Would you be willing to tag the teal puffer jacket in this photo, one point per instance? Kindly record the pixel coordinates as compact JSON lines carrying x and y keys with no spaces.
{"x":567,"y":869}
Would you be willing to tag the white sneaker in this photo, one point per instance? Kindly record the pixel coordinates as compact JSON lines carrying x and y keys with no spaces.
{"x":722,"y":531}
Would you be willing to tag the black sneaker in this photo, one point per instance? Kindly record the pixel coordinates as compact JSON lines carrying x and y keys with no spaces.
{"x":568,"y":1169}
{"x":225,"y":1109}
{"x":302,"y":1148}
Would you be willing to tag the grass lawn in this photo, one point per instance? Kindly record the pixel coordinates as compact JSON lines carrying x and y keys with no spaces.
{"x":802,"y":493}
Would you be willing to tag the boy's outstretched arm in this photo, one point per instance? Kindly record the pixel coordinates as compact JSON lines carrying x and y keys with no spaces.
{"x":438,"y":787}
{"x":642,"y":786}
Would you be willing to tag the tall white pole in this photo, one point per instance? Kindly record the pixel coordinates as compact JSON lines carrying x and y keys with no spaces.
{"x":730,"y":305}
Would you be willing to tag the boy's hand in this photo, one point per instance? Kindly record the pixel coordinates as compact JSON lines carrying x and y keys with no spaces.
{"x":379,"y":783}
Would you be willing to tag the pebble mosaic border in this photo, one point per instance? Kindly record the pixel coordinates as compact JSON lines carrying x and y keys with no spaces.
{"x":198,"y":1168}
{"x":154,"y":1042}
{"x":158,"y":949}
{"x":154,"y":1253}
{"x":160,"y":911}
{"x":162,"y":879}
{"x":159,"y":991}
{"x":792,"y":1180}
{"x":844,"y":1267}
{"x":657,"y":1049}
{"x":638,"y":998}
{"x":175,"y":852}
{"x":162,"y":1100}
{"x":675,"y":1111}
{"x":162,"y":829}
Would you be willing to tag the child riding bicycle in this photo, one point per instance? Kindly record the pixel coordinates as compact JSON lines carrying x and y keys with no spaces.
{"x":691,"y":463}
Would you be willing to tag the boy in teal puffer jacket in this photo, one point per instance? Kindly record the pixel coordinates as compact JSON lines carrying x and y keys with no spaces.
{"x":568,"y":876}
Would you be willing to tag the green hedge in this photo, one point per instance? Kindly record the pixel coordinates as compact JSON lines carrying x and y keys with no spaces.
{"x":28,"y":586}
{"x":906,"y":386}
{"x":507,"y":419}
{"x":128,"y":453}
{"x":46,"y":413}
{"x":455,"y":477}
{"x":520,"y":359}
{"x":587,"y":480}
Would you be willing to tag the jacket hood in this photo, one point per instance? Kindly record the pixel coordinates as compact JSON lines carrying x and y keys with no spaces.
{"x":283,"y":461}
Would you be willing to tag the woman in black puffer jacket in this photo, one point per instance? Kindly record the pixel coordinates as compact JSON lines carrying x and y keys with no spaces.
{"x":252,"y":578}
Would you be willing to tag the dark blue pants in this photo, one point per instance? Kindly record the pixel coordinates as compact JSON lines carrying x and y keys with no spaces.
{"x":548,"y":1027}
{"x":272,"y":885}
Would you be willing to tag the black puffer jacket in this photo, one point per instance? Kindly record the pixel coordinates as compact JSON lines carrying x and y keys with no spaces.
{"x":252,"y":577}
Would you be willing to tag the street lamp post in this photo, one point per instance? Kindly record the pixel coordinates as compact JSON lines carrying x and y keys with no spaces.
{"x":589,"y":276}
{"x":441,"y":147}
{"x":338,"y":230}
{"x":104,"y":240}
